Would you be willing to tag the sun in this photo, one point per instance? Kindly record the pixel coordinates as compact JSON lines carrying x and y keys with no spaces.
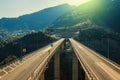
{"x":76,"y":2}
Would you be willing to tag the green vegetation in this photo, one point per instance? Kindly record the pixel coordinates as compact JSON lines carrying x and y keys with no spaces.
{"x":97,"y":20}
{"x":99,"y":24}
{"x":104,"y":13}
{"x":8,"y":60}
{"x":100,"y":39}
{"x":30,"y":42}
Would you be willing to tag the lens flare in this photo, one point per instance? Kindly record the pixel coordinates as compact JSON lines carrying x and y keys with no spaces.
{"x":76,"y":2}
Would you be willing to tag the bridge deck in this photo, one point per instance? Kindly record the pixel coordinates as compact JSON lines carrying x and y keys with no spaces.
{"x":38,"y":58}
{"x":96,"y":66}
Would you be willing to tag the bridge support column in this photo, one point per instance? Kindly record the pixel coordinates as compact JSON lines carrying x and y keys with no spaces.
{"x":57,"y":66}
{"x":75,"y":68}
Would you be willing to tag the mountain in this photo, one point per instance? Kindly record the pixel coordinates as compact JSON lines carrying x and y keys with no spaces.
{"x":98,"y":26}
{"x":105,"y":13}
{"x":34,"y":21}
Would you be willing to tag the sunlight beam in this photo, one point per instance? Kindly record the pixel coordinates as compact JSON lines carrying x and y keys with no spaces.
{"x":76,"y":2}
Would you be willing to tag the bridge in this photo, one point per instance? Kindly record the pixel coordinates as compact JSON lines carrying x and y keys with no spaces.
{"x":86,"y":64}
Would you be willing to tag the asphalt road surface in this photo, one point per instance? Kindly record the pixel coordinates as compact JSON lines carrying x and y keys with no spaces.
{"x":23,"y":71}
{"x":99,"y":67}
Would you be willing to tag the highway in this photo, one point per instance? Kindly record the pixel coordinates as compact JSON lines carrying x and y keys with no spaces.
{"x":37,"y":58}
{"x":95,"y":66}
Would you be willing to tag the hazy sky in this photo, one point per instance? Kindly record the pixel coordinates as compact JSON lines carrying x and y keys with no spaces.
{"x":14,"y":8}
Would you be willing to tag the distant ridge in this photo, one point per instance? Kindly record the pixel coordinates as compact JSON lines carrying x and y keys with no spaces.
{"x":34,"y":21}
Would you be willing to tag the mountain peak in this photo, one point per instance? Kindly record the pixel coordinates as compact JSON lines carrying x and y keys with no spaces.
{"x":37,"y":20}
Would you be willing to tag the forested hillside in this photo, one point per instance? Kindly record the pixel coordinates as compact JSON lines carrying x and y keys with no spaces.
{"x":105,"y":13}
{"x":99,"y":25}
{"x":14,"y":49}
{"x":102,"y":41}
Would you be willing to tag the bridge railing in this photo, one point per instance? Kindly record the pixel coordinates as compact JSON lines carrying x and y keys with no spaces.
{"x":88,"y":71}
{"x":42,"y":67}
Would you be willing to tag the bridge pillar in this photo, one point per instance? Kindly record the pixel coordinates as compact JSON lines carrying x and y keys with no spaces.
{"x":57,"y":66}
{"x":75,"y":68}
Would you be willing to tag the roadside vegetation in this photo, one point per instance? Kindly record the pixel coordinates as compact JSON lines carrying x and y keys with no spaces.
{"x":103,"y":41}
{"x":17,"y":48}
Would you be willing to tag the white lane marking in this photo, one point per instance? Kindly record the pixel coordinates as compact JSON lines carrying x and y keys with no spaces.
{"x":80,"y":47}
{"x":114,"y":75}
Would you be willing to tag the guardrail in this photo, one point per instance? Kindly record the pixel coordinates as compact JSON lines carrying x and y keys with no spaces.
{"x":87,"y":68}
{"x":37,"y":73}
{"x":88,"y":71}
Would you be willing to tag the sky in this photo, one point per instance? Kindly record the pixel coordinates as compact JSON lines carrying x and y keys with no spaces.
{"x":15,"y":8}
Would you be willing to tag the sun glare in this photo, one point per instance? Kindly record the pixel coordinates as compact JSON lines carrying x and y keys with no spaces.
{"x":76,"y":2}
